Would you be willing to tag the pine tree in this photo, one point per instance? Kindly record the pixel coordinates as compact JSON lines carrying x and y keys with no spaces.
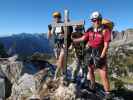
{"x":3,"y":53}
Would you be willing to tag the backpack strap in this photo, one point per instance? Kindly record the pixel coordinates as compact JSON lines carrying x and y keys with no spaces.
{"x":90,"y":29}
{"x":101,"y":30}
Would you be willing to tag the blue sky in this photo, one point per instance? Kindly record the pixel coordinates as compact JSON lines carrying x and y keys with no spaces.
{"x":33,"y":16}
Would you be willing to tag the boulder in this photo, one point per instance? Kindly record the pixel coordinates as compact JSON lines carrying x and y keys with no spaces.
{"x":28,"y":85}
{"x":10,"y":71}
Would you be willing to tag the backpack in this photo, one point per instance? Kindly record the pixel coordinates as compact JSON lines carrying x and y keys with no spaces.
{"x":107,"y":23}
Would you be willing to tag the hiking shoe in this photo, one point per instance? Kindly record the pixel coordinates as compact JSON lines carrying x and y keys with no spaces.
{"x":108,"y":96}
{"x":92,"y":85}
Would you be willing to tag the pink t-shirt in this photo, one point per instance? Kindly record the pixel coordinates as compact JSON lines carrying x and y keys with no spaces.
{"x":96,"y":39}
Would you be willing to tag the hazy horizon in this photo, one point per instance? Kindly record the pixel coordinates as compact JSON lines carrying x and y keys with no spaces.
{"x":10,"y":34}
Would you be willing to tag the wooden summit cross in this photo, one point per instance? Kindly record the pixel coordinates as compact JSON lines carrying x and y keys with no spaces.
{"x":66,"y":25}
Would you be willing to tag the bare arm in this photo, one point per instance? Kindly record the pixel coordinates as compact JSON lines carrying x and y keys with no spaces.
{"x":107,"y":38}
{"x":49,"y":34}
{"x":79,"y":39}
{"x":105,"y":49}
{"x":49,"y":31}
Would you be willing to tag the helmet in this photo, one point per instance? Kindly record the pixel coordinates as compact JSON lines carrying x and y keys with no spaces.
{"x":57,"y":14}
{"x":96,"y":15}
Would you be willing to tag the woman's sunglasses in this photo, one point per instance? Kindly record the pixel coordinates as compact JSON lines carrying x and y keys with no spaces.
{"x":95,"y":20}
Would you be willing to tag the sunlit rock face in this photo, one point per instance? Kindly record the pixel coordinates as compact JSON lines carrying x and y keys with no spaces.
{"x":123,"y":35}
{"x":10,"y":71}
{"x":28,"y":86}
{"x":121,"y":54}
{"x":120,"y":58}
{"x":10,"y":68}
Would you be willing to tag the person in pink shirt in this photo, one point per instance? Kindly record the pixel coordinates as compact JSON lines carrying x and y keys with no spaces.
{"x":97,"y":38}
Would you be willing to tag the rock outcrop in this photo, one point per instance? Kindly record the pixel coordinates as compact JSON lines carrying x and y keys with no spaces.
{"x":10,"y":72}
{"x":124,"y":35}
{"x":120,"y":56}
{"x":28,"y":85}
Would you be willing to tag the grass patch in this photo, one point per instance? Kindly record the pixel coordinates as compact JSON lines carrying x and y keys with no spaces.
{"x":127,"y":80}
{"x":115,"y":83}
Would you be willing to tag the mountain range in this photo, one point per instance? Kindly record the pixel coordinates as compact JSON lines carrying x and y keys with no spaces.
{"x":26,"y":44}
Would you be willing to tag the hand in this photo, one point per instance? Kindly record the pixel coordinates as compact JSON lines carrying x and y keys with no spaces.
{"x":49,"y":27}
{"x":97,"y":62}
{"x":72,"y":38}
{"x":71,"y":46}
{"x":102,"y":56}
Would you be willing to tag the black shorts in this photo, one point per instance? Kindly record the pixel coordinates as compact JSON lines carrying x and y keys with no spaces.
{"x":91,"y":55}
{"x":59,"y":42}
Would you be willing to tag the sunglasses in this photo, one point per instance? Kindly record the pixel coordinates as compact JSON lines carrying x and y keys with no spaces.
{"x":94,"y":20}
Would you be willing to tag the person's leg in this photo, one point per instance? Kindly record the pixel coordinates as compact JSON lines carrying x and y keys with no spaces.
{"x":61,"y":60}
{"x":91,"y":77}
{"x":104,"y":77}
{"x":60,"y":63}
{"x":55,"y":53}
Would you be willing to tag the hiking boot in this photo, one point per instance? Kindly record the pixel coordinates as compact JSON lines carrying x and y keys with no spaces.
{"x":92,"y":85}
{"x":108,"y":96}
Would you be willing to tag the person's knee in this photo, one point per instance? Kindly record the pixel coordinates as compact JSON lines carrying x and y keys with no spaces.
{"x":103,"y":74}
{"x":61,"y":57}
{"x":91,"y":68}
{"x":62,"y":54}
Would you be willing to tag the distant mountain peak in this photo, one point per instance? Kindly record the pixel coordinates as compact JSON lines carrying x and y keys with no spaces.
{"x":125,"y":35}
{"x":26,"y":43}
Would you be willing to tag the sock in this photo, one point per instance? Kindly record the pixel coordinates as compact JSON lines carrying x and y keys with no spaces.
{"x":107,"y":92}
